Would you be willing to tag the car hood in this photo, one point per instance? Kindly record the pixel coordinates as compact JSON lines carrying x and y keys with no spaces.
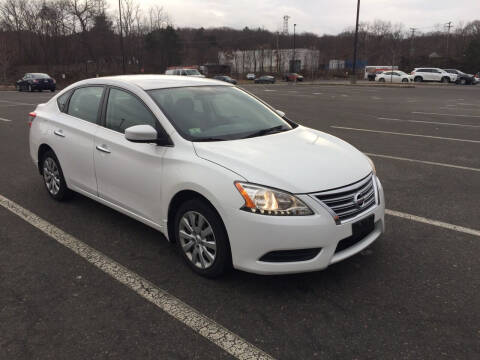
{"x":301,"y":160}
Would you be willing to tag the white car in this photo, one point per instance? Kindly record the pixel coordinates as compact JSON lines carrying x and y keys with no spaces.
{"x":432,"y":74}
{"x":251,"y":76}
{"x":184,"y":72}
{"x":227,"y":178}
{"x":396,"y":76}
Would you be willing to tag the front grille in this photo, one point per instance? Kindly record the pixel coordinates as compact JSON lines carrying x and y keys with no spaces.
{"x":349,"y":201}
{"x":290,"y":255}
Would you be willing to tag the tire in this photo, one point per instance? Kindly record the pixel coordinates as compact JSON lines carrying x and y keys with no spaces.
{"x":463,"y":81}
{"x":445,"y":80}
{"x":52,"y":90}
{"x":53,"y":178}
{"x":192,"y":244}
{"x":418,"y":79}
{"x":404,"y":80}
{"x":381,"y":80}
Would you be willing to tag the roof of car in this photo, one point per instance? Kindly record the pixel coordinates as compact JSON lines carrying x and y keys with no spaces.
{"x":150,"y":82}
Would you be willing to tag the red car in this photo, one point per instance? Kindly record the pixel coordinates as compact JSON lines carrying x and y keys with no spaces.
{"x":293,"y":77}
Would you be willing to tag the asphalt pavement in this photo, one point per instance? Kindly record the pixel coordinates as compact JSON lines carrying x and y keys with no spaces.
{"x":414,"y":294}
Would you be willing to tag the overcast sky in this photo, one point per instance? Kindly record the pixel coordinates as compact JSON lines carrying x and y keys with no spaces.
{"x":318,"y":16}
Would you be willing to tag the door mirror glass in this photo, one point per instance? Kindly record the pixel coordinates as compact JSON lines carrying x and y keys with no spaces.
{"x":280,"y":112}
{"x":141,"y":134}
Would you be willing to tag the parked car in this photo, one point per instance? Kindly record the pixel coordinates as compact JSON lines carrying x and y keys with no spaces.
{"x":462,"y":78}
{"x":432,"y":74}
{"x":226,"y":79}
{"x":217,"y":171}
{"x":36,"y":81}
{"x":266,"y":79}
{"x":293,"y":77}
{"x":251,"y":76}
{"x":372,"y":71}
{"x":184,"y":72}
{"x":477,"y":78}
{"x":396,"y":76}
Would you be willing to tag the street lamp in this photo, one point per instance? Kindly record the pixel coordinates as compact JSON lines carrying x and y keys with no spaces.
{"x":353,"y":78}
{"x":293,"y":61}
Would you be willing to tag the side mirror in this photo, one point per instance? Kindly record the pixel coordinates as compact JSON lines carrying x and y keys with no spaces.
{"x":147,"y":134}
{"x":281,"y":113}
{"x":141,"y":134}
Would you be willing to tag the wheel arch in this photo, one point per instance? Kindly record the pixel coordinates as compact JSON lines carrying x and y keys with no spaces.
{"x":179,"y":198}
{"x":42,"y":149}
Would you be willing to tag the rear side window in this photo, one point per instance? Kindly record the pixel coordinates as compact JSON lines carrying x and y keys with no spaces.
{"x":84,"y":103}
{"x":125,"y":110}
{"x":62,"y":101}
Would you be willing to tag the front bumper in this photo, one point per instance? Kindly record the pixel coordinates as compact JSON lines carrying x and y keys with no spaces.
{"x":253,"y":235}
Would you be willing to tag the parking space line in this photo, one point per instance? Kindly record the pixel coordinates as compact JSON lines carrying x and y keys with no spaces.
{"x":424,"y":162}
{"x":441,"y":114}
{"x":7,"y":120}
{"x":429,"y":122}
{"x":406,"y":134}
{"x":201,"y":324}
{"x":433,"y":222}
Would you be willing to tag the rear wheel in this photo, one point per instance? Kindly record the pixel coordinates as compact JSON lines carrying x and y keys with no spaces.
{"x":418,"y":79}
{"x":53,"y":177}
{"x":202,"y":239}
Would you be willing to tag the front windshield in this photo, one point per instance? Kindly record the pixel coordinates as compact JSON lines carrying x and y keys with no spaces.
{"x":192,"y":72}
{"x":214,"y":113}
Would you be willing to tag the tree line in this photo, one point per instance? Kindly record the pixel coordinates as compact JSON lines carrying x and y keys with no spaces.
{"x":81,"y":38}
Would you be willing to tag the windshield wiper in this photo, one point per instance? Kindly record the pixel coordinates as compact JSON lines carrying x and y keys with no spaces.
{"x":208,"y":139}
{"x":272,"y":130}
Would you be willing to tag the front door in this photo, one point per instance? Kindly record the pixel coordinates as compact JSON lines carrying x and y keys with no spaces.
{"x":128,"y":174}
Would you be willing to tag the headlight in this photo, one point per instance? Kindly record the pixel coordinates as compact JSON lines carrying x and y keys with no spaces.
{"x":372,"y":164}
{"x":266,"y":201}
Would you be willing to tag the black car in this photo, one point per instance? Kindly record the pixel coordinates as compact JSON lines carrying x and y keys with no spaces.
{"x":462,"y":78}
{"x":226,"y":79}
{"x":36,"y":81}
{"x":266,"y":79}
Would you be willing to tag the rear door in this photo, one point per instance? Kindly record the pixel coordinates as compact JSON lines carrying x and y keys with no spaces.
{"x":128,"y":174}
{"x":72,"y":136}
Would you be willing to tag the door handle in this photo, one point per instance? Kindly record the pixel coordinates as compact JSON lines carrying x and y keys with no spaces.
{"x":59,"y":133}
{"x":103,"y":148}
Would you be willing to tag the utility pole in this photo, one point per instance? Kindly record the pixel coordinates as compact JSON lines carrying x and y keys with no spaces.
{"x":293,"y":61}
{"x":411,"y":42}
{"x":121,"y":36}
{"x":353,"y":78}
{"x":448,"y":25}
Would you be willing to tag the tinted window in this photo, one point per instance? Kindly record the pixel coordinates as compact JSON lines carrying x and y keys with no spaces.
{"x":219,"y":112}
{"x":84,"y":103}
{"x":125,"y":110}
{"x":62,"y":101}
{"x":40,"y":76}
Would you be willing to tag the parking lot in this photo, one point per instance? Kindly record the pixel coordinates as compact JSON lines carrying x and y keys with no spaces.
{"x":414,"y":294}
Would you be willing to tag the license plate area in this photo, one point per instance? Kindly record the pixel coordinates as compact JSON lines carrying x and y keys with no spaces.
{"x":360,"y":229}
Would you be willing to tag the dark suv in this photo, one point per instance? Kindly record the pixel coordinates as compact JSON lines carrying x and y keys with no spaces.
{"x":462,"y":78}
{"x":36,"y":81}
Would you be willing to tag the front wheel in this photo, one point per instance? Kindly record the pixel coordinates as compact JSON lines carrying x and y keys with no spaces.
{"x":381,"y":80}
{"x":463,"y":81}
{"x":404,"y":80}
{"x":53,"y":177}
{"x":202,"y":239}
{"x":445,"y":80}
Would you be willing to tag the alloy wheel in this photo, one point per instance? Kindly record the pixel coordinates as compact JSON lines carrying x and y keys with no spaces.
{"x":51,"y":175}
{"x":197,"y":239}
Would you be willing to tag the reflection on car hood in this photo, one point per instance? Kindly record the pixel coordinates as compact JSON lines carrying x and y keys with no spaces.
{"x":301,"y":160}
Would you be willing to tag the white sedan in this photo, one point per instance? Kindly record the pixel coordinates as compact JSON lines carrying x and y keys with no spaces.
{"x":226,"y":177}
{"x":393,"y":77}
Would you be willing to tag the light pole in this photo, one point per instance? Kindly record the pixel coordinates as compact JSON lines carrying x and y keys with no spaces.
{"x":293,"y":60}
{"x":121,"y":36}
{"x":354,"y":65}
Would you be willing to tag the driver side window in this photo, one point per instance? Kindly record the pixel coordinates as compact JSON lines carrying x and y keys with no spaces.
{"x":125,"y":110}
